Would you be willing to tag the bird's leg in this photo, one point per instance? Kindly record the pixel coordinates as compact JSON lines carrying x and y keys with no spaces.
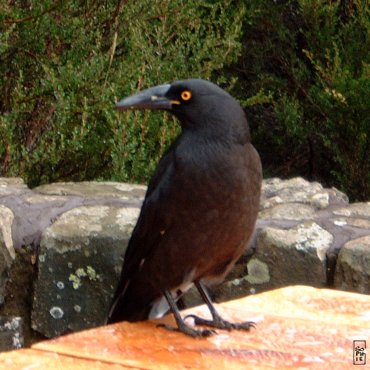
{"x":181,"y":326}
{"x":217,"y":321}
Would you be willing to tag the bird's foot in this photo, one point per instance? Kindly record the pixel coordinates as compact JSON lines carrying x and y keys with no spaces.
{"x":185,"y":329}
{"x":219,"y":323}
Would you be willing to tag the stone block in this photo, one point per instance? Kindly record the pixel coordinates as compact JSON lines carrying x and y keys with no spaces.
{"x":353,"y":266}
{"x":7,"y":253}
{"x":283,"y":257}
{"x":12,"y":186}
{"x":290,"y":257}
{"x":356,"y":210}
{"x":296,"y":190}
{"x":11,"y":336}
{"x":93,"y":189}
{"x":79,"y":263}
{"x":288,"y":211}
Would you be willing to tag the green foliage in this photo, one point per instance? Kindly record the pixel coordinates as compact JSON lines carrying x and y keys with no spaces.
{"x":300,"y":68}
{"x":65,"y":63}
{"x":312,"y":58}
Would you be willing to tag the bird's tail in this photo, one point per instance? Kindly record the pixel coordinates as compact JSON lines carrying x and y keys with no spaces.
{"x":133,"y":303}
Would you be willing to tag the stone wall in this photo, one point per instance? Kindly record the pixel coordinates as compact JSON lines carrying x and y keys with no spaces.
{"x":62,"y":246}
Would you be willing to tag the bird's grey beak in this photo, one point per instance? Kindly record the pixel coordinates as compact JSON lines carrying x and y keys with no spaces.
{"x":152,"y":98}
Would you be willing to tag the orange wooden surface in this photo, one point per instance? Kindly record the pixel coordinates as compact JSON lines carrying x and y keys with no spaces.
{"x":297,"y":327}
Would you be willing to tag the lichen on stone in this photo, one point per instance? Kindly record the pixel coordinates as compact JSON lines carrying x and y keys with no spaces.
{"x":56,"y":312}
{"x":91,"y":273}
{"x":80,"y":273}
{"x":76,"y":281}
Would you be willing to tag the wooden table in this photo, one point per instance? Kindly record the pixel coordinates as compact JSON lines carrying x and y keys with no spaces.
{"x":297,"y":328}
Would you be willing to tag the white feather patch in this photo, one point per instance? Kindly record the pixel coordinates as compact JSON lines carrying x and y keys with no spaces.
{"x":161,"y":307}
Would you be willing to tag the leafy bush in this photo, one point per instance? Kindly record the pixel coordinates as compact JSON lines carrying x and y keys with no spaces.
{"x":300,"y":67}
{"x":307,"y":61}
{"x":64,"y":64}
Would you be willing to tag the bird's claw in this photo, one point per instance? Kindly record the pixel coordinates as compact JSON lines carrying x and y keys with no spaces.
{"x":220,"y":323}
{"x":189,"y":331}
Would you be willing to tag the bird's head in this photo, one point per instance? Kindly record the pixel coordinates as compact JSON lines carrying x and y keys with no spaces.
{"x":195,"y":102}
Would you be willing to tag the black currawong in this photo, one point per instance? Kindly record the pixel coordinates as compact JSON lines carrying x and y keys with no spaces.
{"x":200,"y":208}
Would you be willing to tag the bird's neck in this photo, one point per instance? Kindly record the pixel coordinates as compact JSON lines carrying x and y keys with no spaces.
{"x":217,"y":128}
{"x":205,"y":151}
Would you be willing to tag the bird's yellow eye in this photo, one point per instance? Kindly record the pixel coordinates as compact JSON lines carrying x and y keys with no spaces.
{"x":186,"y":95}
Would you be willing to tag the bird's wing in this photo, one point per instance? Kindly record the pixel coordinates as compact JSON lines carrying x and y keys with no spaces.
{"x":153,"y":216}
{"x":152,"y":221}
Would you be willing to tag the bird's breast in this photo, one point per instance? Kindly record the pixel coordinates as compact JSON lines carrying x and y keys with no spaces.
{"x":211,"y":208}
{"x":215,"y":171}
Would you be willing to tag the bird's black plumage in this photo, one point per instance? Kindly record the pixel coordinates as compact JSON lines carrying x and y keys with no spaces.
{"x":200,"y":208}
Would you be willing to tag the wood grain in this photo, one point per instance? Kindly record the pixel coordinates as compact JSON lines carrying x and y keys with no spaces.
{"x":297,"y":327}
